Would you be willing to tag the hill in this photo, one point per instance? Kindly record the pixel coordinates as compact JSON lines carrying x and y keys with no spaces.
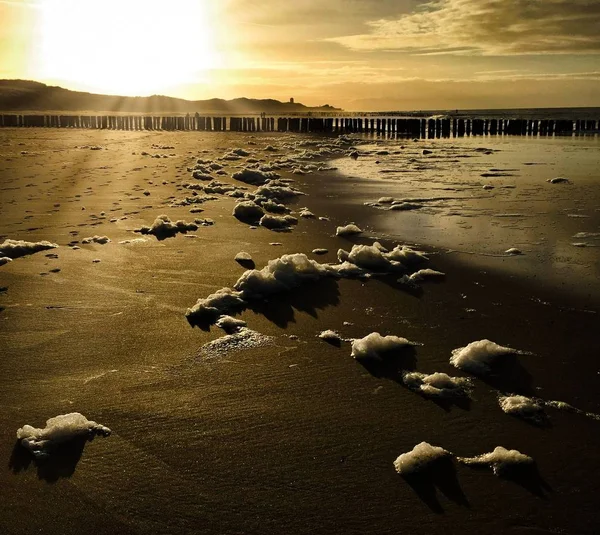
{"x":21,"y":95}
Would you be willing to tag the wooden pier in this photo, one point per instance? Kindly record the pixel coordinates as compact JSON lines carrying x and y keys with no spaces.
{"x":415,"y":127}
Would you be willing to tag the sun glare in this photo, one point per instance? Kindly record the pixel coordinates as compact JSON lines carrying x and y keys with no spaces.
{"x":130,"y":47}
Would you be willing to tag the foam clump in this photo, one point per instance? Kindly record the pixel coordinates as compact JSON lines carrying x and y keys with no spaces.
{"x":289,"y":271}
{"x":96,"y":239}
{"x":248,"y":211}
{"x":274,"y":207}
{"x":230,"y":324}
{"x":501,"y":460}
{"x":348,"y":230}
{"x":563,"y":406}
{"x":306,"y":213}
{"x":275,"y":191}
{"x":242,"y":339}
{"x":16,"y":248}
{"x":407,"y":256}
{"x":330,"y":336}
{"x":163,"y":227}
{"x":523,"y":407}
{"x":404,"y":206}
{"x":243,"y":256}
{"x":133,"y":241}
{"x":58,"y":430}
{"x":513,"y":251}
{"x":274,"y":222}
{"x":202,"y":174}
{"x":280,"y":274}
{"x":479,"y":357}
{"x":426,"y":274}
{"x":376,"y":347}
{"x":438,"y":385}
{"x":215,"y":305}
{"x":369,"y":257}
{"x":254,"y":177}
{"x":376,"y":258}
{"x":420,"y":459}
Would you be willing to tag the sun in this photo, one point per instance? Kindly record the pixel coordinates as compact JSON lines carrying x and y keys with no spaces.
{"x":128,"y":47}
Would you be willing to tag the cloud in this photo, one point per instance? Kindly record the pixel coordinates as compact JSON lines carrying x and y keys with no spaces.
{"x":487,"y":27}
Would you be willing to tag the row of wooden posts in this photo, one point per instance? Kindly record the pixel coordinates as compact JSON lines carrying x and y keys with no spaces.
{"x":415,"y":127}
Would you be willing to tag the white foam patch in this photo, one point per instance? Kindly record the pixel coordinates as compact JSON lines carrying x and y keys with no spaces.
{"x":438,"y":385}
{"x":230,"y":324}
{"x":563,"y":406}
{"x":500,"y":460}
{"x":254,"y":177}
{"x":58,"y":430}
{"x":248,"y":211}
{"x":349,"y":270}
{"x":348,"y":230}
{"x":243,"y":256}
{"x":581,"y":235}
{"x":202,"y":174}
{"x":244,"y":338}
{"x":281,"y":274}
{"x":274,"y":222}
{"x":369,"y":257}
{"x":16,"y":248}
{"x":420,"y":459}
{"x":133,"y":241}
{"x":407,"y":256}
{"x":215,"y":305}
{"x":276,"y":192}
{"x":375,"y":346}
{"x":330,"y":336}
{"x":376,"y":258}
{"x":163,"y":226}
{"x":96,"y":239}
{"x":479,"y":357}
{"x":4,"y":260}
{"x":307,"y":214}
{"x":289,"y":271}
{"x":523,"y":407}
{"x":272,"y":206}
{"x":405,"y":206}
{"x":426,"y":274}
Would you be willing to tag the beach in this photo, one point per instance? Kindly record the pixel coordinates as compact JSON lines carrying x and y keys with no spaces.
{"x":277,"y":430}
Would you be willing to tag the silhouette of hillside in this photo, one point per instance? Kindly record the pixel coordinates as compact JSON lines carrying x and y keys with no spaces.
{"x":21,"y":95}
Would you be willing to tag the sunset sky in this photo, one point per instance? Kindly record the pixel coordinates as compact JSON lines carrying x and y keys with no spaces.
{"x":356,"y":54}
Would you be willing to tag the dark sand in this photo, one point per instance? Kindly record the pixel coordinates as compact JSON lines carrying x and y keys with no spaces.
{"x":293,"y":437}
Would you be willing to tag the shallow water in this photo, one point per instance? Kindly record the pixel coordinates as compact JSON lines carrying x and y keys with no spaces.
{"x":453,"y":211}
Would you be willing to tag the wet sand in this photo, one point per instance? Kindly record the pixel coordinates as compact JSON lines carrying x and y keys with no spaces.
{"x":295,"y":436}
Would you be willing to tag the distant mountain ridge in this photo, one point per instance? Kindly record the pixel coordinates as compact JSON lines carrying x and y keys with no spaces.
{"x":26,"y":95}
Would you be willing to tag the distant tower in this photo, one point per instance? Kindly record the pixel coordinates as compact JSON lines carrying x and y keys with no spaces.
{"x":292,"y":100}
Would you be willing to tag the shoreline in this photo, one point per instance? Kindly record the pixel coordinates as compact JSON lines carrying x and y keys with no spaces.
{"x":468,"y":227}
